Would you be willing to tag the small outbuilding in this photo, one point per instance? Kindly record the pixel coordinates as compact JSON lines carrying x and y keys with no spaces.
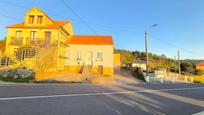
{"x":160,"y":72}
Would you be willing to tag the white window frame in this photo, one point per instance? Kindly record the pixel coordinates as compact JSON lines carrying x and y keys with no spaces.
{"x":99,"y":56}
{"x":78,"y":56}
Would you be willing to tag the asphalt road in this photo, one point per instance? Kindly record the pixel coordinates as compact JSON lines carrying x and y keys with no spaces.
{"x":87,"y":99}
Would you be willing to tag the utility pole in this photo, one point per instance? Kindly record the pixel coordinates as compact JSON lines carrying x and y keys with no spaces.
{"x":179,"y":65}
{"x":146,"y":50}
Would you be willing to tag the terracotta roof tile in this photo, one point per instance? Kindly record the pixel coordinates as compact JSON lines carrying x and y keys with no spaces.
{"x":91,"y":40}
{"x":2,"y":45}
{"x":56,"y":24}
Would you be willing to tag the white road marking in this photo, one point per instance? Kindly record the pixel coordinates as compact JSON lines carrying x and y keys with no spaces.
{"x":94,"y":94}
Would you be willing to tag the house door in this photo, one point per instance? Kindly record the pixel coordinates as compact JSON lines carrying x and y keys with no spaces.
{"x":47,"y":37}
{"x":100,"y":70}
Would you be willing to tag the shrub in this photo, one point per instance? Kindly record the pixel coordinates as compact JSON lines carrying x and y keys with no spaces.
{"x":17,"y":75}
{"x":137,"y":72}
{"x":198,"y":72}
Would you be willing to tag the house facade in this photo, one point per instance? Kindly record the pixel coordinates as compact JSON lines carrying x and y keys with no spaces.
{"x":46,"y":45}
{"x":137,"y":63}
{"x":90,"y":54}
{"x":200,"y":66}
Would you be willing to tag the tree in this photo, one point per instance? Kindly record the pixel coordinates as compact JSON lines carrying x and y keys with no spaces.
{"x":3,"y":40}
{"x":198,"y":72}
{"x":163,"y":56}
{"x":126,"y":56}
{"x":187,"y":67}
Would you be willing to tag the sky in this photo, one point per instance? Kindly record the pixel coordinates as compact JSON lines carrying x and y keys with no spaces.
{"x":180,"y":22}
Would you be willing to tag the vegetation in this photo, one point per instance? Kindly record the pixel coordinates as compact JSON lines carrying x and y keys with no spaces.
{"x":187,"y":67}
{"x":198,"y":72}
{"x":17,"y":75}
{"x":160,"y":61}
{"x":155,"y":61}
{"x":136,"y":72}
{"x":17,"y":79}
{"x":3,"y":40}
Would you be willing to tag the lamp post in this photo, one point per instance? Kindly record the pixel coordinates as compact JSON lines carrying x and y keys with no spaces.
{"x":146,"y":49}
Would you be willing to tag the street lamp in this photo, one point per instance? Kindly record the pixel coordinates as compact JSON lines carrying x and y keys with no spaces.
{"x":146,"y":48}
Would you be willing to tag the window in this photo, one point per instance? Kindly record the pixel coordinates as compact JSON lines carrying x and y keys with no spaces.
{"x":18,"y":34}
{"x":33,"y":35}
{"x":47,"y":35}
{"x":78,"y":56}
{"x":40,"y":19}
{"x":31,"y":19}
{"x":99,"y":56}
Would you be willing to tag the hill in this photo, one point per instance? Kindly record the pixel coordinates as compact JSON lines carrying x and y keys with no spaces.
{"x":159,"y":61}
{"x":155,"y":61}
{"x":193,"y":61}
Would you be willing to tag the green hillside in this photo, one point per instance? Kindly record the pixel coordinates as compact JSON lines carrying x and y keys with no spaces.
{"x":158,"y":61}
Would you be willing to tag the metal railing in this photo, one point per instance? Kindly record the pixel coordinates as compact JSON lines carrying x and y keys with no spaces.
{"x":16,"y":41}
{"x":40,"y":42}
{"x":34,"y":42}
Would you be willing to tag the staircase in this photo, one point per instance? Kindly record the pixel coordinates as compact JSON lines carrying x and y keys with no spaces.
{"x":37,"y":58}
{"x":25,"y":52}
{"x":24,"y":57}
{"x":46,"y":58}
{"x":5,"y":61}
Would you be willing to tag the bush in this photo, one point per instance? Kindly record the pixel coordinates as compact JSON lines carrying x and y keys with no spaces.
{"x":137,"y":72}
{"x":198,"y":72}
{"x":125,"y":68}
{"x":17,"y":79}
{"x":17,"y":75}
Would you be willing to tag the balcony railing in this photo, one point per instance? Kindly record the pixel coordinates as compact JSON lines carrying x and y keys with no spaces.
{"x":16,"y":40}
{"x":33,"y":42}
{"x":40,"y":42}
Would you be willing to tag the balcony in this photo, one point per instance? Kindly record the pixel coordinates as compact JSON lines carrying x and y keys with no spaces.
{"x":30,"y":42}
{"x":39,"y":42}
{"x":16,"y":41}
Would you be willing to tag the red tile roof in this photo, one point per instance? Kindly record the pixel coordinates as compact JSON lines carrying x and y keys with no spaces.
{"x":56,"y":24}
{"x":200,"y":64}
{"x":91,"y":40}
{"x":2,"y":45}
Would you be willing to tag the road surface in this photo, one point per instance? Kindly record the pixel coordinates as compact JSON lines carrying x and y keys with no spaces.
{"x":87,"y":99}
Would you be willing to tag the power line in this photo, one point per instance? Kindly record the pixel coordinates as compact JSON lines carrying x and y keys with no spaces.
{"x":175,"y":46}
{"x":114,"y":28}
{"x":16,"y":5}
{"x":88,"y":22}
{"x":72,"y":10}
{"x":11,"y":17}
